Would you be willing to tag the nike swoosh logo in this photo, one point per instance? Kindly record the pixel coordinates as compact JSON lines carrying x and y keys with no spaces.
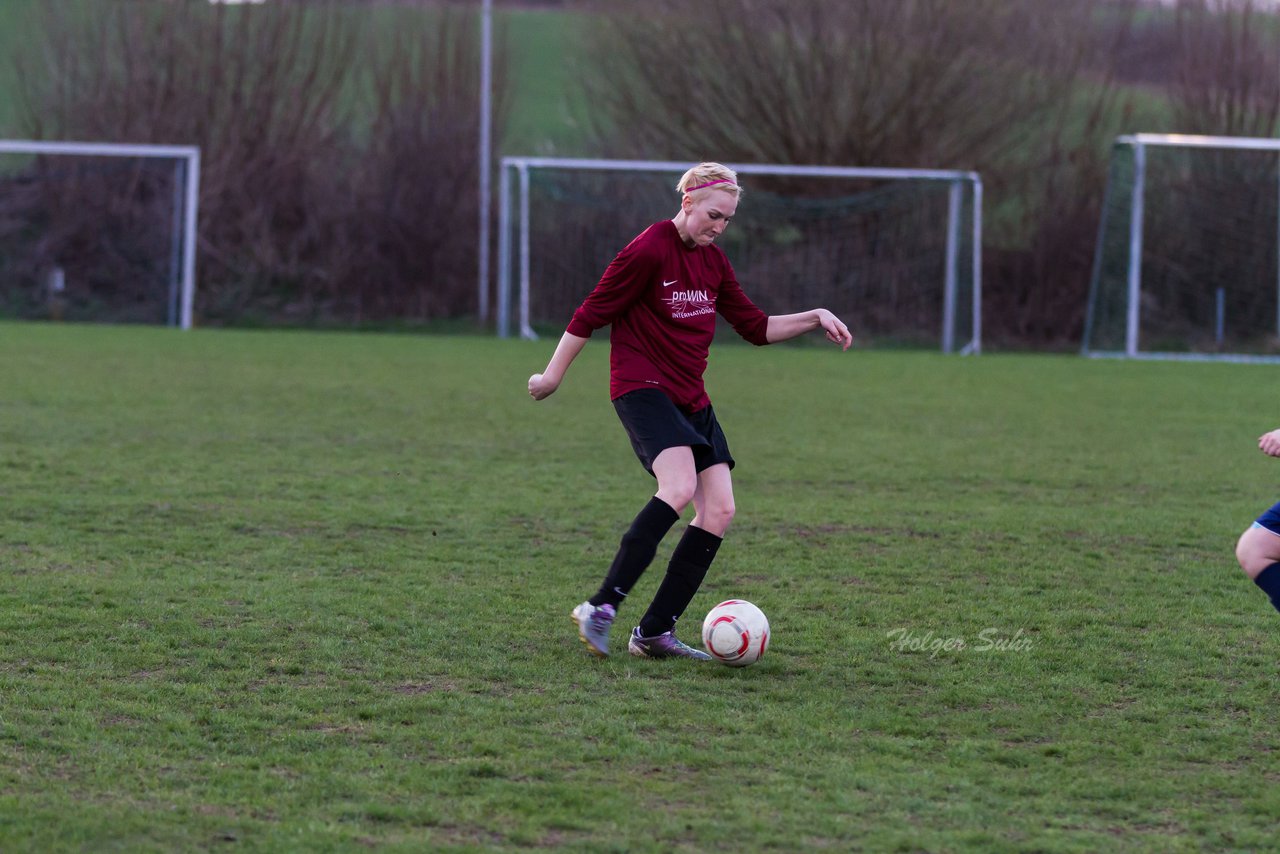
{"x":667,"y":284}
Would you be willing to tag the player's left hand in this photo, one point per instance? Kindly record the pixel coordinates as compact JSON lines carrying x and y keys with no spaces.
{"x":1269,"y":443}
{"x":837,"y":332}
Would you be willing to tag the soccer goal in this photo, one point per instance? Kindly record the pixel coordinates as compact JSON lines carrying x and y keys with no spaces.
{"x":1187,"y":264}
{"x":896,"y":253}
{"x":98,"y":231}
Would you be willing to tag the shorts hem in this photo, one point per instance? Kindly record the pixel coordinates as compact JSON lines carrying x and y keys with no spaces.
{"x":1266,"y":528}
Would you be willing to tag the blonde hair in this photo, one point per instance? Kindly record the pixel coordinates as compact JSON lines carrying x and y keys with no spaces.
{"x":710,"y":176}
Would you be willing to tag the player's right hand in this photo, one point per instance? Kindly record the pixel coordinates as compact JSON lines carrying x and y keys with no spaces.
{"x":540,"y":387}
{"x":1269,"y":443}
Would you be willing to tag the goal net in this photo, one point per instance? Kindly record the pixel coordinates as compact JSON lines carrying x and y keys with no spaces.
{"x":98,"y":231}
{"x":1187,"y":264}
{"x":896,"y":253}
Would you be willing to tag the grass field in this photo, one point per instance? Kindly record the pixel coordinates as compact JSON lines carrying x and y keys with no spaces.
{"x":275,"y":591}
{"x":548,"y":102}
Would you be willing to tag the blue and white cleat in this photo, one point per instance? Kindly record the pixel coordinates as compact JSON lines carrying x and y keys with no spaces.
{"x":665,"y":645}
{"x":593,"y":626}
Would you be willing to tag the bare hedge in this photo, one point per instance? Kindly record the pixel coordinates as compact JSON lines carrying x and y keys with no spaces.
{"x":1027,"y":93}
{"x":338,"y":146}
{"x":340,"y":169}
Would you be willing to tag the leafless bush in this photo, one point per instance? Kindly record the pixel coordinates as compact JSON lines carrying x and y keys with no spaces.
{"x":258,"y":90}
{"x":1018,"y":91}
{"x":937,"y":82}
{"x":334,"y":150}
{"x":1228,"y":68}
{"x":414,"y":205}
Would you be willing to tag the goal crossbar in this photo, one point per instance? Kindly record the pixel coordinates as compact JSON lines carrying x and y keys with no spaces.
{"x":188,"y":159}
{"x":521,"y":166}
{"x":1188,"y":140}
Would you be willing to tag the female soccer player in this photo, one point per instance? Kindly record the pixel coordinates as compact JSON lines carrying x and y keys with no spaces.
{"x":661,"y":295}
{"x":1259,"y":547}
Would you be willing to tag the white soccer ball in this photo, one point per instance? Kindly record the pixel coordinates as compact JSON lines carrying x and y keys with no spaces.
{"x":736,"y":633}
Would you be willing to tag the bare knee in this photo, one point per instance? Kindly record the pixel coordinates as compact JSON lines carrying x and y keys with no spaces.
{"x":677,"y":486}
{"x":1257,"y":549}
{"x":715,"y":519}
{"x":677,"y":477}
{"x":679,"y":495}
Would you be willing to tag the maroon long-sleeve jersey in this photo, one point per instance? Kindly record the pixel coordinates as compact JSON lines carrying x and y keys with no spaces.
{"x":662,"y":297}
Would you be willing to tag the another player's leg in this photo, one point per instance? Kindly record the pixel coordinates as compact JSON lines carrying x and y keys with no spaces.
{"x":690,"y":561}
{"x":676,"y":483}
{"x":1258,"y":551}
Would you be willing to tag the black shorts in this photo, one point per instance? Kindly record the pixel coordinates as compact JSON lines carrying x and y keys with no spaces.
{"x":654,"y":423}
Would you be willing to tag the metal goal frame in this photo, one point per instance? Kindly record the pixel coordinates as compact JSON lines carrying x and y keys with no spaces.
{"x":186,"y":201}
{"x":514,"y":179}
{"x":1138,"y":144}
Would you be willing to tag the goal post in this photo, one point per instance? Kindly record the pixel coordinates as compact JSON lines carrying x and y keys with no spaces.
{"x":1187,"y":260}
{"x":897,"y":252}
{"x":185,"y":204}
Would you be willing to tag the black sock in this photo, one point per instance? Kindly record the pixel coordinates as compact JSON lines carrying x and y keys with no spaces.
{"x":689,"y":564}
{"x":1269,"y":581}
{"x":635,"y":553}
